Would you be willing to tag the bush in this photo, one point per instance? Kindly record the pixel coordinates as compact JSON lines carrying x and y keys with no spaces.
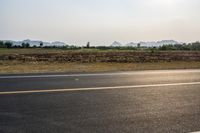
{"x":25,"y":45}
{"x":8,"y":44}
{"x":2,"y":44}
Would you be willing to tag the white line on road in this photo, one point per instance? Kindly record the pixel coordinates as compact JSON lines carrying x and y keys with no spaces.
{"x":103,"y":74}
{"x":97,"y":88}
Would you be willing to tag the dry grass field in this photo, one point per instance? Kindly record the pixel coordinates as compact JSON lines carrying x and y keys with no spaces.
{"x":40,"y":60}
{"x":4,"y":51}
{"x":43,"y":67}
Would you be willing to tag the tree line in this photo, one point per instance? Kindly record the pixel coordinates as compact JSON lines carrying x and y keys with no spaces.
{"x":191,"y":46}
{"x":9,"y":44}
{"x":187,"y":47}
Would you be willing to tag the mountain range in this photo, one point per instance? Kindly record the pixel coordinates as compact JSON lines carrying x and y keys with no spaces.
{"x":114,"y":44}
{"x":37,"y":43}
{"x":146,"y":44}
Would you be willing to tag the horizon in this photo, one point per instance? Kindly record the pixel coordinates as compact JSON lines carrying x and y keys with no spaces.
{"x":147,"y":43}
{"x":100,"y":22}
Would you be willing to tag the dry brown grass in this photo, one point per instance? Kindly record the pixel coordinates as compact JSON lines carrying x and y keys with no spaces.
{"x":28,"y":51}
{"x":6,"y":51}
{"x":42,"y":67}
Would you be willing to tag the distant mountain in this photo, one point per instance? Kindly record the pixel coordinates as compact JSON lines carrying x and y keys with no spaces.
{"x":147,"y":44}
{"x":131,"y":44}
{"x":32,"y":43}
{"x":159,"y":43}
{"x":116,"y":44}
{"x":166,"y":42}
{"x":57,"y":43}
{"x":37,"y":43}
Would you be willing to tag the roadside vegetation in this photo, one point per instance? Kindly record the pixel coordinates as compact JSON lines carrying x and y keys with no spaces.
{"x":11,"y":67}
{"x":36,"y":59}
{"x":195,"y":46}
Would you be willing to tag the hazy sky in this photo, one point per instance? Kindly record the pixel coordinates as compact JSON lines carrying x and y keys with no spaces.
{"x":100,"y":21}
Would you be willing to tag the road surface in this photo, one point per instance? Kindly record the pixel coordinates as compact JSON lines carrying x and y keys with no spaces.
{"x":123,"y":102}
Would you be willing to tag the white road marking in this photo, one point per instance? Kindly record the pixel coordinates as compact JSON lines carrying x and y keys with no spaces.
{"x":195,"y":132}
{"x":97,"y":88}
{"x":103,"y":74}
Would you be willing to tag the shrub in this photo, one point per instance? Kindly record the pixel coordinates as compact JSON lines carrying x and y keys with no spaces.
{"x":8,"y":44}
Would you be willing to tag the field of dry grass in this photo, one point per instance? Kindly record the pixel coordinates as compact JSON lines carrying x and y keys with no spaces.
{"x":42,"y":67}
{"x":4,"y":51}
{"x":28,"y":51}
{"x":82,"y":56}
{"x":39,"y":60}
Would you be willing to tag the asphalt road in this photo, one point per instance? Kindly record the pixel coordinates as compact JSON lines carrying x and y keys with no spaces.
{"x":124,"y":102}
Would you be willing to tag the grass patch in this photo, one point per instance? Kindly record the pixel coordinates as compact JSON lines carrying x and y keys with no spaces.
{"x":43,"y":67}
{"x":4,"y":51}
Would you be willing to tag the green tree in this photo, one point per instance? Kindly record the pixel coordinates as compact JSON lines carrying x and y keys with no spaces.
{"x":138,"y":45}
{"x":25,"y":45}
{"x":41,"y":44}
{"x":8,"y":44}
{"x":195,"y":46}
{"x":88,"y":45}
{"x":2,"y":44}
